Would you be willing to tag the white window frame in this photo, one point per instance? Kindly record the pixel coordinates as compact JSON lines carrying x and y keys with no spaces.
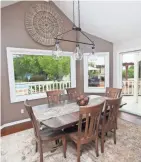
{"x":88,"y":89}
{"x":24,"y":51}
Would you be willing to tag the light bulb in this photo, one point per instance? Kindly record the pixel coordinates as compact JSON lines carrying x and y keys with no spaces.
{"x":93,"y":50}
{"x":93,"y":54}
{"x":77,"y":53}
{"x":56,"y":53}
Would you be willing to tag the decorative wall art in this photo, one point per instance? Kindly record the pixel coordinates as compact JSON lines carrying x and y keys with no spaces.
{"x":43,"y":23}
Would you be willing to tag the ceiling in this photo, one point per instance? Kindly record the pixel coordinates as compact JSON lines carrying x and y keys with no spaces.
{"x":114,"y":21}
{"x":5,"y":3}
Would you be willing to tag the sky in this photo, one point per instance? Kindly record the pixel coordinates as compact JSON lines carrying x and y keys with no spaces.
{"x":128,"y":58}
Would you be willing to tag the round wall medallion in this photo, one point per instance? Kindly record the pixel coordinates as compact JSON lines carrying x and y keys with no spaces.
{"x":43,"y":23}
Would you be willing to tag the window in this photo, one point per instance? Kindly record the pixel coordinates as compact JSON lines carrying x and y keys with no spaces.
{"x":96,"y":73}
{"x":33,"y":72}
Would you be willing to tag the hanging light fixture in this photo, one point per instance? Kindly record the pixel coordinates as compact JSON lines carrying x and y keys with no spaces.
{"x":78,"y":54}
{"x":56,"y":53}
{"x":93,"y":54}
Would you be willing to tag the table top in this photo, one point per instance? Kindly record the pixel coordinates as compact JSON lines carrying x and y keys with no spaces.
{"x":47,"y":111}
{"x":59,"y":116}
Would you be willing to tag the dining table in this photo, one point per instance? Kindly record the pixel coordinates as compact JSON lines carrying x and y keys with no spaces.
{"x":64,"y":114}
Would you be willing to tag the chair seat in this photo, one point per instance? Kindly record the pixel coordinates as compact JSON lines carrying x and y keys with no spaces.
{"x":48,"y":134}
{"x":83,"y":139}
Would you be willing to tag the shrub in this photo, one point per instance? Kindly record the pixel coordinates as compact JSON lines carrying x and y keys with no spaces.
{"x":37,"y":78}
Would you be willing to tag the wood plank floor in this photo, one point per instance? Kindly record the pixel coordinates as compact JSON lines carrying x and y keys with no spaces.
{"x":129,"y":117}
{"x":27,"y":125}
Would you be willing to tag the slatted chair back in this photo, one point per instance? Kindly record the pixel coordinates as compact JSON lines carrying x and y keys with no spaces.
{"x":72,"y":93}
{"x":113,"y":92}
{"x":33,"y":119}
{"x":54,"y":96}
{"x":92,"y":115}
{"x":111,"y":112}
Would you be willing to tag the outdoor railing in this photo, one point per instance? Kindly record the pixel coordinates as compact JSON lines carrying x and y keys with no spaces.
{"x":26,"y":88}
{"x":128,"y":87}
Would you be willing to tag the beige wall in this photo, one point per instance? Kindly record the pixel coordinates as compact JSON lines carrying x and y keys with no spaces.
{"x":14,"y":35}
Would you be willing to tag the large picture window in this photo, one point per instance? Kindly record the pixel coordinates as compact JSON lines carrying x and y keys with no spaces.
{"x":96,"y":72}
{"x":33,"y":72}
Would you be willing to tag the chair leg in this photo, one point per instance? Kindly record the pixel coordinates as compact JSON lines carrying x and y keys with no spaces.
{"x":96,"y":147}
{"x":115,"y":136}
{"x":36,"y":149}
{"x":41,"y":151}
{"x":64,"y":141}
{"x":116,"y":124}
{"x":78,"y":152}
{"x":102,"y":142}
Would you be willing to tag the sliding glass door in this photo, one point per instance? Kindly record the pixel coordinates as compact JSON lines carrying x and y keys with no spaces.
{"x":131,"y":74}
{"x":137,"y":76}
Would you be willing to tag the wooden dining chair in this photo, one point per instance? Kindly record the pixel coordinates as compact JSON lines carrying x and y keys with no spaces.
{"x":72,"y":93}
{"x":45,"y":134}
{"x":113,"y":92}
{"x":109,"y":120}
{"x":54,"y":96}
{"x":90,"y":132}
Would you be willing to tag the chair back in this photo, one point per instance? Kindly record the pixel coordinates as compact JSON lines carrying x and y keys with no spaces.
{"x":113,"y":92}
{"x":110,"y":112}
{"x":54,"y":96}
{"x":33,"y":119}
{"x":72,"y":93}
{"x":92,"y":116}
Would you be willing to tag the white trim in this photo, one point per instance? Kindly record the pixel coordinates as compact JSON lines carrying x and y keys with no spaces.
{"x":14,"y":123}
{"x":25,"y":51}
{"x":96,"y":89}
{"x":119,"y":68}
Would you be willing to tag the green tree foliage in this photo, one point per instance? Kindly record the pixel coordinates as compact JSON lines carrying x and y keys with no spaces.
{"x":130,"y":72}
{"x":41,"y":65}
{"x":55,"y":69}
{"x":93,"y":73}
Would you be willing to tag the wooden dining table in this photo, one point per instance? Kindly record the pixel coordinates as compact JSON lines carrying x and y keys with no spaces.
{"x":63,"y":115}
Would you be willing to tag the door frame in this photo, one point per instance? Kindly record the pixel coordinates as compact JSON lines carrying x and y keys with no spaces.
{"x":136,"y":71}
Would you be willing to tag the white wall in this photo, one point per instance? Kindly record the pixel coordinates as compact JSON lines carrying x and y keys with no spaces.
{"x":122,"y":47}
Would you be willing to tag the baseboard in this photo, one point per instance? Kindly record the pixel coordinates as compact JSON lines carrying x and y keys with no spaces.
{"x":16,"y":128}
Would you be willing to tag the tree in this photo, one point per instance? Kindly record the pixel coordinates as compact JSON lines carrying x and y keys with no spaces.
{"x":130,"y":72}
{"x":41,"y":65}
{"x":26,"y":64}
{"x":55,"y":69}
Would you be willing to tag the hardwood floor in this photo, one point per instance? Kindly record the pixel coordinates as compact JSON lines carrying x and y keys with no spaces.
{"x":27,"y":125}
{"x":129,"y":117}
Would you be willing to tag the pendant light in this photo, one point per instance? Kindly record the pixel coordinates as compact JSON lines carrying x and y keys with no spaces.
{"x":77,"y":54}
{"x":57,"y":52}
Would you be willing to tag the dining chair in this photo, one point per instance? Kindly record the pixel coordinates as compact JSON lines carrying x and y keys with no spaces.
{"x":45,"y":134}
{"x":54,"y":96}
{"x":109,"y":120}
{"x":113,"y":92}
{"x":72,"y":93}
{"x":89,"y":133}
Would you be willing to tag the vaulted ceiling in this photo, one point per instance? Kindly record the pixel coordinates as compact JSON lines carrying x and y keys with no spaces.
{"x":114,"y":21}
{"x":111,"y":20}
